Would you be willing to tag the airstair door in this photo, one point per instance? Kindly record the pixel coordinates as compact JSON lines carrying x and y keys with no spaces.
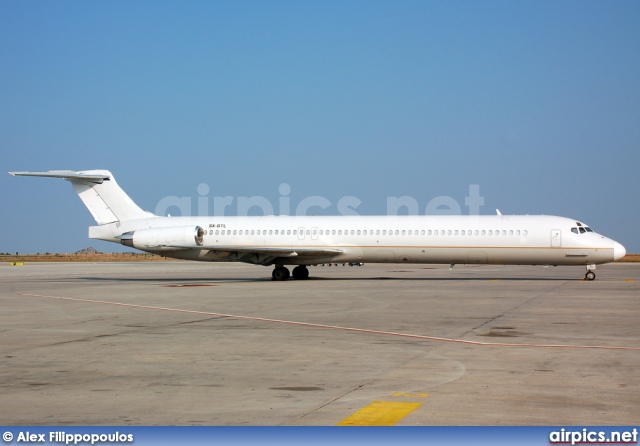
{"x":556,"y":238}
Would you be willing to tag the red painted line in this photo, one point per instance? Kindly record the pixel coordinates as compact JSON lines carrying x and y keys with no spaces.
{"x":334,"y":327}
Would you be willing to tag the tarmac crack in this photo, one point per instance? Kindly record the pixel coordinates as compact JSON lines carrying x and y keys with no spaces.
{"x":356,"y":388}
{"x":127,"y":332}
{"x":513,"y":308}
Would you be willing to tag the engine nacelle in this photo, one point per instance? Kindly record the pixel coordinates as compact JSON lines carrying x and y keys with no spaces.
{"x":165,"y":239}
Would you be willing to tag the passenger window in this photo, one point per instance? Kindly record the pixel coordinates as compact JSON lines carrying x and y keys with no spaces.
{"x":333,"y":232}
{"x":403,"y":232}
{"x":525,"y":232}
{"x":422,"y":232}
{"x":358,"y":231}
{"x":504,"y":232}
{"x":490,"y":232}
{"x":462,"y":232}
{"x":308,"y":232}
{"x":211,"y":232}
{"x":270,"y":231}
{"x":518,"y":232}
{"x":429,"y":232}
{"x":483,"y":232}
{"x":377,"y":231}
{"x":217,"y":231}
{"x":315,"y":232}
{"x":455,"y":232}
{"x":435,"y":232}
{"x":511,"y":232}
{"x":410,"y":232}
{"x":397,"y":232}
{"x":476,"y":232}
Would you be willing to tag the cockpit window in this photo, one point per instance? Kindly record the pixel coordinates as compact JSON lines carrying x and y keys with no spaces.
{"x":574,"y":230}
{"x":582,"y":230}
{"x":588,"y":229}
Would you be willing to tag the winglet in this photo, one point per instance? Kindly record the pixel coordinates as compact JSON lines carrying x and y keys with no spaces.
{"x":498,"y":212}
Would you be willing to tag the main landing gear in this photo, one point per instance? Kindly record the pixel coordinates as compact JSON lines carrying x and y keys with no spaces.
{"x":590,"y":275}
{"x":282,"y":273}
{"x":300,"y":272}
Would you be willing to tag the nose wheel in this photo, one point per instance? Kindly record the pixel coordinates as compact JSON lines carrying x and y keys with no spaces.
{"x":590,"y":275}
{"x":280,"y":273}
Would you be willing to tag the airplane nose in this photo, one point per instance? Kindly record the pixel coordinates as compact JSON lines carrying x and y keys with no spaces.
{"x":618,"y":251}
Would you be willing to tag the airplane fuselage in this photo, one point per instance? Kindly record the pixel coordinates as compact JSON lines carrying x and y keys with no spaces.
{"x":499,"y":239}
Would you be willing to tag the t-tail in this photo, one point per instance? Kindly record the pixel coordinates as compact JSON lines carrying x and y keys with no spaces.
{"x":100,"y":193}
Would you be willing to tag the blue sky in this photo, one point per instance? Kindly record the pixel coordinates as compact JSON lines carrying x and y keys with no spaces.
{"x":536,"y":102}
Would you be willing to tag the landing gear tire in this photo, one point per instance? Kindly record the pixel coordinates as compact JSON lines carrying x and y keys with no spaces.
{"x":590,"y":275}
{"x":280,"y":273}
{"x":300,"y":272}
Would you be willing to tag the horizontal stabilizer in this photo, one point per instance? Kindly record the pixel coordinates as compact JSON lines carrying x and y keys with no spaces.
{"x":91,"y":176}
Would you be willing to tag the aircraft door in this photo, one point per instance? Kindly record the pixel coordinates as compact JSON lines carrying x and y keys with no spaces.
{"x":556,"y":238}
{"x":301,"y":233}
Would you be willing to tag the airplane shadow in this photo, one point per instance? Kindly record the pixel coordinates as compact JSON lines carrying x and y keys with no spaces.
{"x":203,"y":281}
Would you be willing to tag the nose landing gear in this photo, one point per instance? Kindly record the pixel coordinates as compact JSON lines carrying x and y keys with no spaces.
{"x":590,"y":275}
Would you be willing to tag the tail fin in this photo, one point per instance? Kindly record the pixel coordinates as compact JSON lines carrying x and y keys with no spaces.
{"x":100,"y":193}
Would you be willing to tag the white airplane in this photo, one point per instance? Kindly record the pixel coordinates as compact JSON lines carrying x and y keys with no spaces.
{"x":303,"y":241}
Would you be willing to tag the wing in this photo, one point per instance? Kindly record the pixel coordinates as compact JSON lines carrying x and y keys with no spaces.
{"x":266,"y":255}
